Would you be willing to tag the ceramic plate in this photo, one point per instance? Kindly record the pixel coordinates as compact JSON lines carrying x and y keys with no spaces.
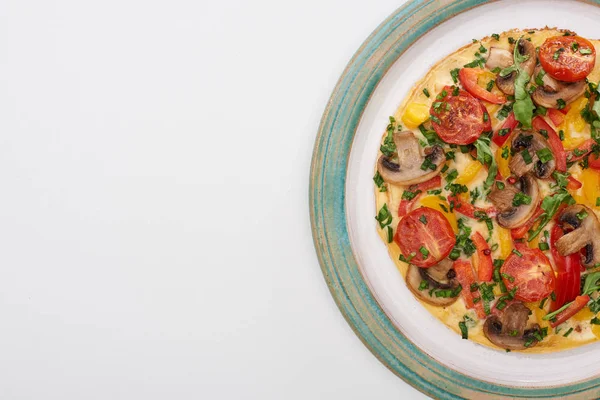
{"x":363,"y":279}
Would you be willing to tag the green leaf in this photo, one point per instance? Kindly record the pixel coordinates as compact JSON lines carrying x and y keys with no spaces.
{"x":486,"y":157}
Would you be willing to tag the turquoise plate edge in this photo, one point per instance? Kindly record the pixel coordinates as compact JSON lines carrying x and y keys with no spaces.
{"x":329,"y":224}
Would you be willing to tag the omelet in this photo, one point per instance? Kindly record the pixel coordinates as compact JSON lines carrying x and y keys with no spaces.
{"x":487,"y":189}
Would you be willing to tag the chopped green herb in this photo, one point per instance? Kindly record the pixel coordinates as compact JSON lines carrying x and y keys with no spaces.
{"x":595,"y":321}
{"x":585,"y":51}
{"x":423,"y":219}
{"x":426,"y":92}
{"x":545,"y":155}
{"x":556,"y":54}
{"x":517,"y":252}
{"x":496,"y":36}
{"x":526,"y":156}
{"x":500,"y":185}
{"x":454,"y":74}
{"x":463,"y":330}
{"x":408,"y":195}
{"x":539,"y":78}
{"x":560,"y":104}
{"x":521,"y":198}
{"x":390,"y":234}
{"x":424,"y":252}
{"x":561,"y":135}
{"x":568,"y":332}
{"x":424,"y":285}
{"x":384,"y":217}
{"x":543,"y":246}
{"x":490,"y":85}
{"x":407,"y":260}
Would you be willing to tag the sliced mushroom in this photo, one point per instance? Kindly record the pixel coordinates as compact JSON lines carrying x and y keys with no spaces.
{"x":440,"y":278}
{"x":507,"y":83}
{"x":532,"y":142}
{"x":583,"y":230}
{"x":499,"y":58}
{"x":406,"y":169}
{"x":510,"y":216}
{"x":509,"y":330}
{"x":553,"y":90}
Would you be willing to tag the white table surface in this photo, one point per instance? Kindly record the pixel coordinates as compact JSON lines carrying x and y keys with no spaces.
{"x":154,"y":219}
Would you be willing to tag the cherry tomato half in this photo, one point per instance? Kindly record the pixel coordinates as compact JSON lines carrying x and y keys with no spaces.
{"x":530,"y":272}
{"x":567,"y":58}
{"x":458,"y":119}
{"x":425,"y":235}
{"x":468,"y":78}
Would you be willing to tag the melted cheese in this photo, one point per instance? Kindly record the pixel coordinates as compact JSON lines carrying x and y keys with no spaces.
{"x":434,"y":81}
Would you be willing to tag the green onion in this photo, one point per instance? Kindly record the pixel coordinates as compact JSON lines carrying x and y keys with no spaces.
{"x":426,"y":92}
{"x":543,"y":246}
{"x":463,"y":330}
{"x":568,"y":332}
{"x":424,"y":252}
{"x":544,"y":155}
{"x":517,"y":252}
{"x":526,"y":156}
{"x":423,"y":219}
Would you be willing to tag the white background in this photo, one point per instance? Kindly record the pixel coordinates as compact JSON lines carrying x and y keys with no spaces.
{"x":154,"y":231}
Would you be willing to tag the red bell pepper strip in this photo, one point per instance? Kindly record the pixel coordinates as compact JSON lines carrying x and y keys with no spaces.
{"x":521,"y":231}
{"x":465,"y":276}
{"x":407,"y":205}
{"x":556,"y":146}
{"x":569,"y":272}
{"x":482,"y":258}
{"x":573,"y":183}
{"x":572,"y":309}
{"x":555,"y":116}
{"x":565,"y":110}
{"x":581,"y":151}
{"x":469,"y":210}
{"x":510,"y":123}
{"x":468,"y":78}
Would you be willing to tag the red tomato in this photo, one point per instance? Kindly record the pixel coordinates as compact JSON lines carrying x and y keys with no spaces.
{"x":427,"y":234}
{"x":556,"y":146}
{"x":458,"y":119}
{"x":567,"y":58}
{"x":531,"y":274}
{"x":573,"y":183}
{"x":469,"y":210}
{"x":576,"y":306}
{"x":582,"y":150}
{"x":594,"y":161}
{"x":407,"y":205}
{"x":468,"y":78}
{"x":510,"y":123}
{"x":482,"y":258}
{"x":556,"y":116}
{"x":465,"y":276}
{"x":569,"y":272}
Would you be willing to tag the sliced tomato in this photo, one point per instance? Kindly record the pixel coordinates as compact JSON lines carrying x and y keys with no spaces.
{"x":573,"y":183}
{"x":521,"y":231}
{"x":556,"y":146}
{"x":482,"y":258}
{"x":569,"y":272}
{"x":510,"y":123}
{"x":594,"y":161}
{"x":466,"y":278}
{"x":457,"y":119}
{"x":556,"y":116}
{"x":581,"y":151}
{"x":530,"y":272}
{"x":407,"y":205}
{"x":567,"y":58}
{"x":468,"y":209}
{"x":425,"y":235}
{"x":468,"y":78}
{"x":577,"y":305}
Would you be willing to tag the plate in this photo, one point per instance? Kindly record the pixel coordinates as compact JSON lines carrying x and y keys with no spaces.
{"x":363,"y":280}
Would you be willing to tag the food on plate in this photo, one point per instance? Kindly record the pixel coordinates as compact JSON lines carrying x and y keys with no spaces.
{"x":487,"y":187}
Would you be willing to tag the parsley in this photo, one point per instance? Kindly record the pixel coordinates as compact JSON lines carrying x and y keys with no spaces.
{"x":521,"y":198}
{"x":390,"y":234}
{"x":539,"y":78}
{"x":464,"y":331}
{"x":482,"y":49}
{"x":454,"y":74}
{"x":526,"y":156}
{"x":545,"y":155}
{"x":384,"y":217}
{"x":379,"y":182}
{"x":517,"y":252}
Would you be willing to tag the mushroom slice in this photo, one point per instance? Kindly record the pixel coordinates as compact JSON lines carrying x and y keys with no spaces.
{"x":407,"y":169}
{"x":511,"y":216}
{"x":499,"y":58}
{"x":584,"y":234}
{"x":440,"y":278}
{"x":509,"y":330}
{"x":533,"y":142}
{"x":553,"y":90}
{"x":507,"y":83}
